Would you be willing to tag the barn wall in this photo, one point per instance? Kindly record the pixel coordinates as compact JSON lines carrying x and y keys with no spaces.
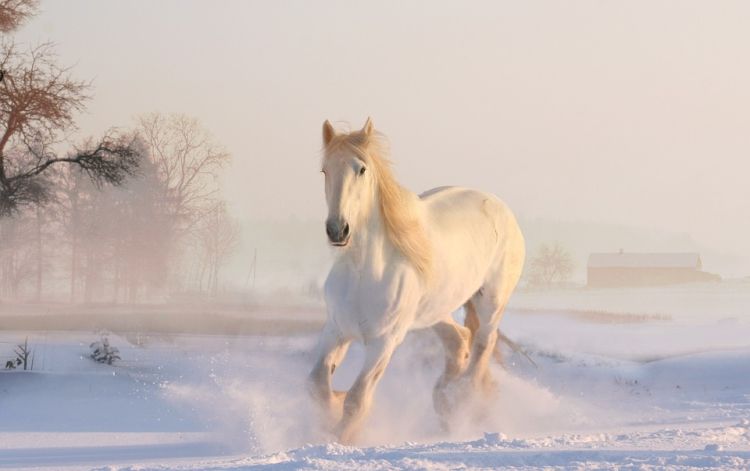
{"x":602,"y":277}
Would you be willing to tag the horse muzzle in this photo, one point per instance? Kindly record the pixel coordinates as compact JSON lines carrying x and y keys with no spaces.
{"x":338,"y":232}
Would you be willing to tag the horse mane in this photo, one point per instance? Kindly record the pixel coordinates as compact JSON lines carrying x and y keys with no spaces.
{"x":398,"y":206}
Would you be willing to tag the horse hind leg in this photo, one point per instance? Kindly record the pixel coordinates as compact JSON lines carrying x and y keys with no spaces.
{"x":471,"y":322}
{"x":468,"y":349}
{"x":484,"y":311}
{"x":483,"y":314}
{"x":483,"y":343}
{"x":456,"y":340}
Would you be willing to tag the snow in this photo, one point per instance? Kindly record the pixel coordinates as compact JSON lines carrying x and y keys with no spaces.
{"x":662,"y":392}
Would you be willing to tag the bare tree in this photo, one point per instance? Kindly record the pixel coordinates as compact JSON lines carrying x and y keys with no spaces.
{"x":218,"y":237}
{"x":24,"y":355}
{"x":38,"y":100}
{"x":188,"y":161}
{"x":14,"y":12}
{"x":551,"y":264}
{"x":40,"y":223}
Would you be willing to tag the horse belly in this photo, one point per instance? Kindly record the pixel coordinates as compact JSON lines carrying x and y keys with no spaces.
{"x":451,"y":294}
{"x":458,"y":276}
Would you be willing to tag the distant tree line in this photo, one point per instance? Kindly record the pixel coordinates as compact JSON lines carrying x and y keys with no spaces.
{"x":166,"y":228}
{"x":131,"y":215}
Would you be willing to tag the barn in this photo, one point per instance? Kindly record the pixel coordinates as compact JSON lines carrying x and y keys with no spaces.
{"x":607,"y":270}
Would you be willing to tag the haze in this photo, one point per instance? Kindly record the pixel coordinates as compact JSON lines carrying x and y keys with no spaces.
{"x":163,"y":266}
{"x":630,"y":113}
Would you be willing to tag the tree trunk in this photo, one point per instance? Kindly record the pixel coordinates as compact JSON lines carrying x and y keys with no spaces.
{"x":116,"y":280}
{"x":215,"y":276}
{"x":73,"y":247}
{"x":88,"y":280}
{"x":39,"y":254}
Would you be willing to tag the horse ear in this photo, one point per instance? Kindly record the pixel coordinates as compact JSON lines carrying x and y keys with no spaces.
{"x":328,"y":132}
{"x":368,"y":127}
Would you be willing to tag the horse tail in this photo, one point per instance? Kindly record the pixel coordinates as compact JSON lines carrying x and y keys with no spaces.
{"x":513,"y":346}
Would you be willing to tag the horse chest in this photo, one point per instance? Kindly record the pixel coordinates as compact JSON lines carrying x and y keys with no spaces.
{"x":364,"y":306}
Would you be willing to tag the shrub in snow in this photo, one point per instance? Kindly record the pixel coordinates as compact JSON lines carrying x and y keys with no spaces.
{"x":103,"y":352}
{"x":23,"y":357}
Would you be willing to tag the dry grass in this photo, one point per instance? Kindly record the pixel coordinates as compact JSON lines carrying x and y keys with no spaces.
{"x":163,"y":319}
{"x":598,"y":317}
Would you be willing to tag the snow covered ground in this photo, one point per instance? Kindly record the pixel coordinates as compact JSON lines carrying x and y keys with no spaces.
{"x":605,"y":393}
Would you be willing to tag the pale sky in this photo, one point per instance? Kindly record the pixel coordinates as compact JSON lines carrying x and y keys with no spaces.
{"x":627,"y":112}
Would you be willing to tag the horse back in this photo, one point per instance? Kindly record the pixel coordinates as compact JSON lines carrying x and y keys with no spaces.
{"x":477,"y":228}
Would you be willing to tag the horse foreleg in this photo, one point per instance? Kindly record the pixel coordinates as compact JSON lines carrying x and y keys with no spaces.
{"x":332,"y":348}
{"x":359,"y":398}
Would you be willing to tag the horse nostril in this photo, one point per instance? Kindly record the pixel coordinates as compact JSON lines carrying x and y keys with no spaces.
{"x":331,"y":231}
{"x":345,"y":232}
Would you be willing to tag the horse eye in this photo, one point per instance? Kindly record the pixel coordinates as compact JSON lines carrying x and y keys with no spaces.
{"x":362,"y":170}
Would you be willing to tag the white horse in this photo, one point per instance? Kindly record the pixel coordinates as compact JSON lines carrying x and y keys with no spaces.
{"x":407,"y":262}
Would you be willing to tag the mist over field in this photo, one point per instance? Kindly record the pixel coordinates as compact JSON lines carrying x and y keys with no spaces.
{"x":164,"y":247}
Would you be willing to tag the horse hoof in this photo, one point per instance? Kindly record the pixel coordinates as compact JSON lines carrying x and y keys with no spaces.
{"x":447,"y":398}
{"x":345,"y":435}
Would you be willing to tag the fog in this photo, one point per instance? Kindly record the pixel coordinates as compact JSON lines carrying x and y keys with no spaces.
{"x":612,"y":129}
{"x":585,"y":114}
{"x":605,"y":127}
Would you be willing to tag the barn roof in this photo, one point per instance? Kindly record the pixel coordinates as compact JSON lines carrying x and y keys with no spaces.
{"x":644,"y":260}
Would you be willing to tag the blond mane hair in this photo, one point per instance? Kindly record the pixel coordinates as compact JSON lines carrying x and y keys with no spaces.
{"x":397,"y":205}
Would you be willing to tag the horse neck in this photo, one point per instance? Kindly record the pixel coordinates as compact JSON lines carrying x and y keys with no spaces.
{"x":371,"y":248}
